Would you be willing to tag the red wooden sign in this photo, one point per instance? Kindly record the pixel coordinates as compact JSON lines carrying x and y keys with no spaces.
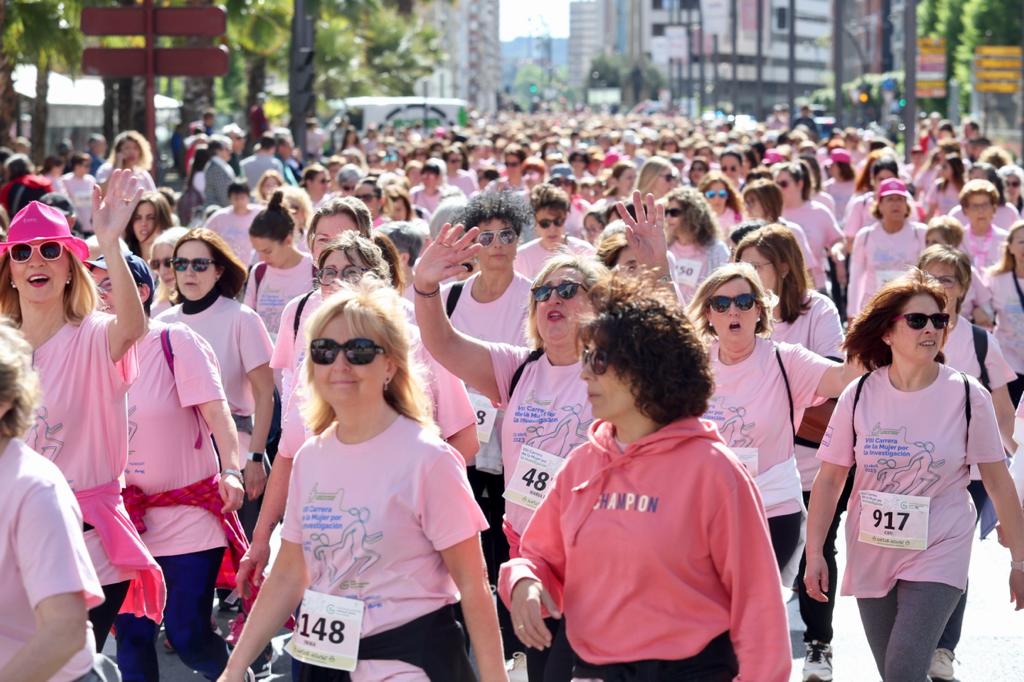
{"x":167,"y":61}
{"x":167,"y":21}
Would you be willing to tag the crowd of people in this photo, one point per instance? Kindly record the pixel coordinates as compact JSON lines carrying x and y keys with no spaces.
{"x":541,"y":399}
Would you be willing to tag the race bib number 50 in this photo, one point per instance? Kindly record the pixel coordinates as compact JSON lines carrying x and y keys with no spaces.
{"x":895,"y":521}
{"x":327,"y":631}
{"x":533,"y":477}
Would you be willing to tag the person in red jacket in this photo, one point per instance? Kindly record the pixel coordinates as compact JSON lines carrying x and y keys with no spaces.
{"x":22,"y":186}
{"x":652,"y":539}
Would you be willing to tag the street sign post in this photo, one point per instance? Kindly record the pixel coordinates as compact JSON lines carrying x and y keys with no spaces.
{"x":931,"y":67}
{"x":151,"y":61}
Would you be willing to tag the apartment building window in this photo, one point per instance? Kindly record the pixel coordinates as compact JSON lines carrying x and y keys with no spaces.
{"x":657,"y":4}
{"x":658,"y":29}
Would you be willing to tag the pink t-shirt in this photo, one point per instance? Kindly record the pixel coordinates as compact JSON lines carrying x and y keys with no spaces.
{"x":1005,"y":216}
{"x":858,"y":213}
{"x":42,"y":554}
{"x":79,"y":191}
{"x":277,"y":288}
{"x":903,"y":449}
{"x":373,"y":518}
{"x":727,"y":220}
{"x":693,"y":263}
{"x":530,"y":257}
{"x":289,"y":344}
{"x":945,"y":199}
{"x":234,"y":228}
{"x":822,"y":232}
{"x":811,"y":259}
{"x":90,"y":446}
{"x":826,"y":200}
{"x":161,"y":403}
{"x":428,"y":202}
{"x":1009,"y":330}
{"x":549,"y":411}
{"x":240,"y":342}
{"x":984,"y":251}
{"x":960,"y":355}
{"x":466,"y":181}
{"x":841,"y":193}
{"x":878,"y":257}
{"x":750,"y":406}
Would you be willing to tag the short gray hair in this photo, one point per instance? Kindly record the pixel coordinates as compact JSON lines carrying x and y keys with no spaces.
{"x":406,"y":237}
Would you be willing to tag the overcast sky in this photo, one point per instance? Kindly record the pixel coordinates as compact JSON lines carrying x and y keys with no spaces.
{"x":526,"y":17}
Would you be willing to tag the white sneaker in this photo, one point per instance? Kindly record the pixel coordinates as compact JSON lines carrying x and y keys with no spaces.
{"x":516,"y":668}
{"x":818,"y":662}
{"x":942,"y":666}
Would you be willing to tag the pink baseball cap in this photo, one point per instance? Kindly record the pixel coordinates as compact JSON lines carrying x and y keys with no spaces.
{"x":610,"y":159}
{"x":892,"y":187}
{"x":839,"y":156}
{"x":38,"y":222}
{"x":771,"y":156}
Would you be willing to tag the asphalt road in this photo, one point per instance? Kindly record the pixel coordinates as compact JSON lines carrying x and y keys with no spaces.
{"x":991,"y":650}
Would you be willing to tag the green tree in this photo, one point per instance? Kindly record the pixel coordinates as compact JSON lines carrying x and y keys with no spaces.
{"x":986,"y":22}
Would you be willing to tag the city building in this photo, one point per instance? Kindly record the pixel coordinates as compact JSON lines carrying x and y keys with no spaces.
{"x":471,"y":69}
{"x":586,"y":38}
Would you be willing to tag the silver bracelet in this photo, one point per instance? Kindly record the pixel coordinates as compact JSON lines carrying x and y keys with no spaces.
{"x":1017,"y":565}
{"x":233,"y":472}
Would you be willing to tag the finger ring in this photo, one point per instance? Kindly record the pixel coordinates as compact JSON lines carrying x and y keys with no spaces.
{"x":126,"y":200}
{"x":520,"y":627}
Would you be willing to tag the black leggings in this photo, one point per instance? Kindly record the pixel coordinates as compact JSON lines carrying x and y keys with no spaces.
{"x":553,"y":664}
{"x":102,"y":617}
{"x":785,"y":532}
{"x":817,"y":615}
{"x":1016,"y":388}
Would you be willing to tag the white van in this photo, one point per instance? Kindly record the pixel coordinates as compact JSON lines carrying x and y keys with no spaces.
{"x":401,"y":112}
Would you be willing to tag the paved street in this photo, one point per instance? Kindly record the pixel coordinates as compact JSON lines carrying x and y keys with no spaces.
{"x":991,"y":649}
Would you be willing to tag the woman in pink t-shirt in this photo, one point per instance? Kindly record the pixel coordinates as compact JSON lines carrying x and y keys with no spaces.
{"x":983,"y":240}
{"x":81,"y":353}
{"x":282,"y":272}
{"x":47,"y":581}
{"x":538,"y":386}
{"x":763,"y":200}
{"x":724,"y":199}
{"x":694,"y":239}
{"x":1006,"y":282}
{"x":161,"y":265}
{"x":761,"y":391}
{"x":818,"y":222}
{"x":550,"y":208}
{"x":881,"y":165}
{"x":910,"y":522}
{"x":654,"y":478}
{"x":381,"y":523}
{"x":944,"y":194}
{"x":884,"y":250}
{"x":152,"y":216}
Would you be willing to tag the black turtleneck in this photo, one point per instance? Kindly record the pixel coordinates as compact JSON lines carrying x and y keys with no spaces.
{"x":199,"y":305}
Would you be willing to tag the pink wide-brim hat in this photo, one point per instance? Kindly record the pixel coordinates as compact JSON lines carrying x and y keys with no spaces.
{"x":38,"y":222}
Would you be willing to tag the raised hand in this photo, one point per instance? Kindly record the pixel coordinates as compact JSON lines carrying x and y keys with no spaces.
{"x":646,"y":233}
{"x":443,"y":259}
{"x":112,"y":209}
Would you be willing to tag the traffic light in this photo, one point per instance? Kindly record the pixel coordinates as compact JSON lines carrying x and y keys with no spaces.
{"x":862,"y":95}
{"x":533,"y":88}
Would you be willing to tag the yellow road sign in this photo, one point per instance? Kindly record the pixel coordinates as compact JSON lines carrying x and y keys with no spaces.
{"x":991,"y":63}
{"x":990,"y":75}
{"x":999,"y":51}
{"x":1001,"y":88}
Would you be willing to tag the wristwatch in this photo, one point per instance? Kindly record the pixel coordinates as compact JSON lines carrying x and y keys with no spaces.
{"x":233,"y":472}
{"x":255,"y":456}
{"x":1017,"y":565}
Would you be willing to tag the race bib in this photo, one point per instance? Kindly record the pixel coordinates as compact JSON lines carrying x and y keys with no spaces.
{"x":688,"y":272}
{"x":883,"y":277}
{"x":748,"y":457}
{"x":486,"y":413}
{"x":327,"y":631}
{"x":532,"y":478}
{"x":894,"y":521}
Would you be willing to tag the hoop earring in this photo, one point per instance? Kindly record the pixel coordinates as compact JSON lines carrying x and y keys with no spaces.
{"x":387,"y":382}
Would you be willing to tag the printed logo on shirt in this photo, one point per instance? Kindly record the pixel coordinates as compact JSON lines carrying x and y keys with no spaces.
{"x":900,"y":465}
{"x":340,"y":544}
{"x":554,"y":431}
{"x":732,"y":423}
{"x":41,"y":436}
{"x":645,"y":504}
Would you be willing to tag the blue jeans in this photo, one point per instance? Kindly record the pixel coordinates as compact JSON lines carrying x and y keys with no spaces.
{"x":190,"y":580}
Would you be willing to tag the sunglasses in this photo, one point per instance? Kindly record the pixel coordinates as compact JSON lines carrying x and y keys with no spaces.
{"x":730,"y":169}
{"x":919,"y":320}
{"x":670,"y":177}
{"x":157,"y":263}
{"x":565,"y":291}
{"x":546,"y":223}
{"x":348,"y":188}
{"x":357,"y":351}
{"x":1013,"y":184}
{"x":330,"y":274}
{"x":21,"y":253}
{"x":721,"y":304}
{"x":366,"y":197}
{"x":198,"y":264}
{"x":595,"y":360}
{"x":712,"y":193}
{"x":506,"y":236}
{"x":105,"y":285}
{"x":674,"y":212}
{"x":782,"y":183}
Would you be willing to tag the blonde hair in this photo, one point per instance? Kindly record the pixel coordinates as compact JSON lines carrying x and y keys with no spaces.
{"x":145,"y":152}
{"x":649,"y":172}
{"x":374,"y":311}
{"x":590,"y":271}
{"x":1007,"y":263}
{"x":80,"y":297}
{"x":168,"y":237}
{"x":19,"y":383}
{"x":298,"y":199}
{"x":698,"y":308}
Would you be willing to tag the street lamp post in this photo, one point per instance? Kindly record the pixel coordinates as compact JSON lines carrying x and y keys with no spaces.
{"x":910,"y":77}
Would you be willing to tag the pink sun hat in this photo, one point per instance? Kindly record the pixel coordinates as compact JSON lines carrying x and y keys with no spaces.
{"x":38,"y":222}
{"x":893,"y":187}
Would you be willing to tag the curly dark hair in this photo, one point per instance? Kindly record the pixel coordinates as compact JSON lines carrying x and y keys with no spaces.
{"x":511,"y":208}
{"x":642,"y":332}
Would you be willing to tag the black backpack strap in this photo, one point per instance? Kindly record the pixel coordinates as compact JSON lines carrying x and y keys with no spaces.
{"x":981,"y":353}
{"x":532,"y":357}
{"x":856,"y":399}
{"x":789,"y":391}
{"x":298,"y":315}
{"x":453,"y":299}
{"x":967,"y":403}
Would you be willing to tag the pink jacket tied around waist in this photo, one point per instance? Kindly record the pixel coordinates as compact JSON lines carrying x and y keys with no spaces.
{"x":203,"y":494}
{"x":103,"y":509}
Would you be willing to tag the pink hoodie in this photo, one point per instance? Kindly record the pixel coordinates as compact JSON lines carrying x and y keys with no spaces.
{"x":653,"y":552}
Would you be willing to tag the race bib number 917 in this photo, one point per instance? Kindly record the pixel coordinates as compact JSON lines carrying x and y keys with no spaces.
{"x":894,"y":521}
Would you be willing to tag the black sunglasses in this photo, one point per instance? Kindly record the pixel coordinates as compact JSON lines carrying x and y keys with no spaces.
{"x":721,"y":304}
{"x":156,"y":263}
{"x":21,"y":253}
{"x":198,"y":264}
{"x":595,"y":360}
{"x":546,"y":223}
{"x":674,"y":212}
{"x":506,"y":236}
{"x":565,"y":291}
{"x":357,"y":351}
{"x":919,"y":320}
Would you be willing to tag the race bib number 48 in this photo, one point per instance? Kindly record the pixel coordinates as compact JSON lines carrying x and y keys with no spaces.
{"x":894,"y":521}
{"x":327,"y":631}
{"x":533,"y":477}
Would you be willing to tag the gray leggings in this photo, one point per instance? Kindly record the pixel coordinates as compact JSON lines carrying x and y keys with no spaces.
{"x":904,"y":626}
